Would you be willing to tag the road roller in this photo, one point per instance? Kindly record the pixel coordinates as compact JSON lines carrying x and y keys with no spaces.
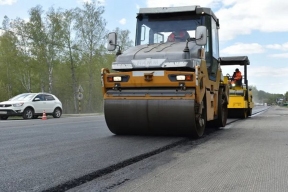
{"x":240,"y":96}
{"x":170,"y":82}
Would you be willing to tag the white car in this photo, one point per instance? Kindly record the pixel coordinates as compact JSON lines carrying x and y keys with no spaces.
{"x":31,"y":105}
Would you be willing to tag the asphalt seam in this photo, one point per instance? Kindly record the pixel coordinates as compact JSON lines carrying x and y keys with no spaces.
{"x":94,"y":175}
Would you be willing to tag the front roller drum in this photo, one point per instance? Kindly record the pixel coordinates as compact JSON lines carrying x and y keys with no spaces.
{"x":238,"y":113}
{"x":164,"y":117}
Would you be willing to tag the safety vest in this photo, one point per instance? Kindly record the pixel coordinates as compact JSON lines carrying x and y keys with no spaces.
{"x":238,"y":76}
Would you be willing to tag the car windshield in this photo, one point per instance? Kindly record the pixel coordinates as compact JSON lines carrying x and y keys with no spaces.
{"x":23,"y":97}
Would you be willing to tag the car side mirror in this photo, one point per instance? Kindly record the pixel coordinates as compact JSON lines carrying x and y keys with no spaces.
{"x":36,"y":99}
{"x":201,"y":35}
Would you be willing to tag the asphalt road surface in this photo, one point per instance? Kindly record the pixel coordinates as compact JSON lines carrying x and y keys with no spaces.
{"x":81,"y":154}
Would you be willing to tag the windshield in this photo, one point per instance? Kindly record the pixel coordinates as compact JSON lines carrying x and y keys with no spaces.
{"x":23,"y":97}
{"x":161,"y":28}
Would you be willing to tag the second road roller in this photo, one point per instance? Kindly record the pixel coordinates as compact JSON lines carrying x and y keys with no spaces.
{"x":240,"y":95}
{"x":170,"y":82}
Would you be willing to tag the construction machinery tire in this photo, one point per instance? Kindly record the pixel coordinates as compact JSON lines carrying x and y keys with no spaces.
{"x":155,"y":116}
{"x":244,"y":113}
{"x":222,"y":112}
{"x":249,"y":112}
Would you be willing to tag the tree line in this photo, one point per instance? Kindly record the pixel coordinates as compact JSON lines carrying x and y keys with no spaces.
{"x":56,"y":51}
{"x":260,"y":96}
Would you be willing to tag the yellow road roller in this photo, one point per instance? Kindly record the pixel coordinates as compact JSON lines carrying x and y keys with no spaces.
{"x":240,"y":96}
{"x":170,"y":82}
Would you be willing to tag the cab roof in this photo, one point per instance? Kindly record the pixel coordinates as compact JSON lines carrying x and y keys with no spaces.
{"x":167,"y":9}
{"x":194,"y":8}
{"x":236,"y":60}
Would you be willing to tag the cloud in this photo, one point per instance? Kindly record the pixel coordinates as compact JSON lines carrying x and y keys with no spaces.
{"x":122,"y":21}
{"x":240,"y":17}
{"x":264,"y":71}
{"x":173,"y":3}
{"x":245,"y":16}
{"x":279,"y":55}
{"x":255,"y":48}
{"x":7,"y":2}
{"x":243,"y":49}
{"x":274,"y":46}
{"x":283,"y":47}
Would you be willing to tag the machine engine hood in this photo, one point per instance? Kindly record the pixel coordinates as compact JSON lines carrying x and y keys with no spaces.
{"x":164,"y":55}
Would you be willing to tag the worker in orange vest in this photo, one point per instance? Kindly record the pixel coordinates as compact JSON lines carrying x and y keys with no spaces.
{"x":237,"y":77}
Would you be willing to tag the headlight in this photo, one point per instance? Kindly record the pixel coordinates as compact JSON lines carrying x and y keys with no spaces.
{"x":180,"y":77}
{"x":114,"y":78}
{"x":18,"y":104}
{"x":233,"y":84}
{"x":184,"y":77}
{"x":117,"y":78}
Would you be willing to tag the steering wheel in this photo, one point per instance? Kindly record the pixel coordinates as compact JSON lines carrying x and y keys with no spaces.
{"x":229,"y":76}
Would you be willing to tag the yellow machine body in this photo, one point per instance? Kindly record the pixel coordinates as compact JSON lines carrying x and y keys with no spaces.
{"x":240,"y":104}
{"x":143,"y":102}
{"x":167,"y":87}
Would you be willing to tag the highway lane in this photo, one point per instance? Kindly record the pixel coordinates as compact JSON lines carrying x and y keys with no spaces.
{"x":38,"y":155}
{"x":248,"y":155}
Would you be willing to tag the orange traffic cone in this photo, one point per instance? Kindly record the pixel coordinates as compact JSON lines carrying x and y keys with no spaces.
{"x":44,"y":117}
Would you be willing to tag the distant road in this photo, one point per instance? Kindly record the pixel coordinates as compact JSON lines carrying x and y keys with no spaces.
{"x":39,"y":155}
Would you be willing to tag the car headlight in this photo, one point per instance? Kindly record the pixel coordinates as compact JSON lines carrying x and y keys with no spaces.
{"x":233,"y":84}
{"x":18,"y":104}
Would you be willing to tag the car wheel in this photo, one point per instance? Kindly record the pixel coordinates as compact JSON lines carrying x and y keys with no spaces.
{"x":28,"y":113}
{"x":57,"y":113}
{"x":4,"y":117}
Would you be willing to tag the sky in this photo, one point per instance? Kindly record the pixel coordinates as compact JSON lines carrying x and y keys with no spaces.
{"x":253,"y":28}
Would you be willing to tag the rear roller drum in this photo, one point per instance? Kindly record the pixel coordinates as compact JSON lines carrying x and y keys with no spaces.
{"x":201,"y":120}
{"x":222,"y":112}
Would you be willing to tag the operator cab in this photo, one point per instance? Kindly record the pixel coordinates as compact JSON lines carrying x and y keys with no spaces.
{"x":158,"y":26}
{"x":236,"y":61}
{"x":171,"y":38}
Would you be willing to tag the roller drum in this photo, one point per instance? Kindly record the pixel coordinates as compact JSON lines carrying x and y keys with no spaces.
{"x":165,"y":117}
